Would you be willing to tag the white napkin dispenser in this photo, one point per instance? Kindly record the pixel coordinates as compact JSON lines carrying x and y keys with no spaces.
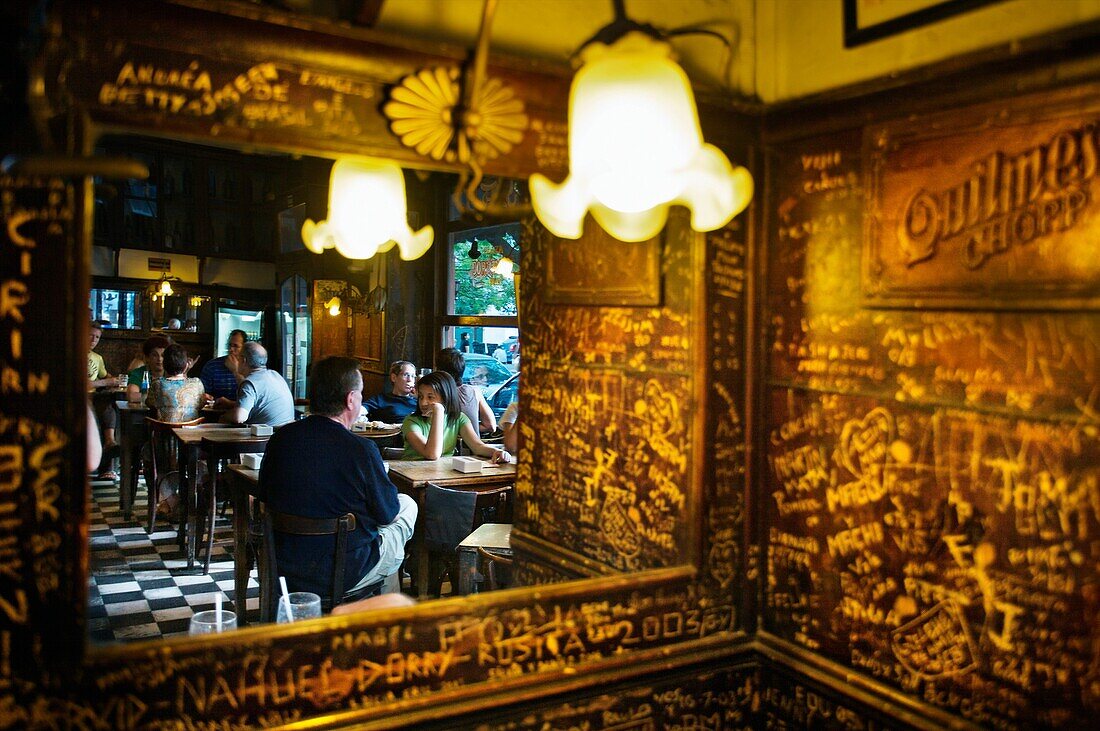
{"x":467,"y":464}
{"x":262,"y":430}
{"x":252,"y":461}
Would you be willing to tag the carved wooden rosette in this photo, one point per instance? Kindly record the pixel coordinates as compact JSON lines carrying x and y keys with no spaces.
{"x":425,"y":111}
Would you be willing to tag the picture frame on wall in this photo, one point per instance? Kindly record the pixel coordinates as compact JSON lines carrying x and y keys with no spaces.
{"x":870,"y":20}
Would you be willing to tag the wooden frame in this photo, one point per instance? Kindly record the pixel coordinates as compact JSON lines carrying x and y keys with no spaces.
{"x":390,"y":668}
{"x":858,"y":31}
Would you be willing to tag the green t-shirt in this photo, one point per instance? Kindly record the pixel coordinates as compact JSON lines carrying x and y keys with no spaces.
{"x":422,"y":425}
{"x":136,"y":377}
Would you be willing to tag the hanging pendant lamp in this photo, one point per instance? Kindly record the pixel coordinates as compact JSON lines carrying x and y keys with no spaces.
{"x":366,"y":213}
{"x":635,"y":146}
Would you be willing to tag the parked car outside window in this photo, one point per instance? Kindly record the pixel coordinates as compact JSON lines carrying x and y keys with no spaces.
{"x":484,"y":372}
{"x":505,"y":394}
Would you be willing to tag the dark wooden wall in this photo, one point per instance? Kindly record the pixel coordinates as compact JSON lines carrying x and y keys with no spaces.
{"x":932,"y":484}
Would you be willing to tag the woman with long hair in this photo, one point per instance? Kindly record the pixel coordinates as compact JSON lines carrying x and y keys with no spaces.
{"x":434,"y":431}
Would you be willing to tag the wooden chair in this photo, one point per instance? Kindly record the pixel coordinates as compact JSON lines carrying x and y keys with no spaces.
{"x":452,"y":514}
{"x":217,"y":454}
{"x":163,"y":464}
{"x":275,"y":522}
{"x":496,"y":569}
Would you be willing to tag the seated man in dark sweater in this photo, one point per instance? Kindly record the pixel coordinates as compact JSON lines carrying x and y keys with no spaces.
{"x":316,"y":468}
{"x":398,"y":399}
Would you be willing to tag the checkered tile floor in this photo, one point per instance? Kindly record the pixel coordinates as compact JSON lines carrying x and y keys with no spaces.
{"x":140,"y":587}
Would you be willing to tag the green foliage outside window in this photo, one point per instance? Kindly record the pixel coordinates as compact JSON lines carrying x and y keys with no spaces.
{"x":478,"y":289}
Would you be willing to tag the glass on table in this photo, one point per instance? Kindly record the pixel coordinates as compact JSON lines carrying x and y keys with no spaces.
{"x":206,"y":622}
{"x":303,"y":605}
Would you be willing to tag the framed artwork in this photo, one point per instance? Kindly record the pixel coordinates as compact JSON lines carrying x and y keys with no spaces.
{"x":869,"y":20}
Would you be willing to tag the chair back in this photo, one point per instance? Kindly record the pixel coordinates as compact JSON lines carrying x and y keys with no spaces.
{"x":452,"y":514}
{"x":163,"y":463}
{"x":276,"y":522}
{"x":497,"y":569}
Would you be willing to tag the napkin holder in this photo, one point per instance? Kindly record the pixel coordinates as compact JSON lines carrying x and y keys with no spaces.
{"x":252,"y":461}
{"x":467,"y":464}
{"x":262,"y":430}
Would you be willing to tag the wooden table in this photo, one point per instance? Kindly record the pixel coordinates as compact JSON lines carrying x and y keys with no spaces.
{"x":235,"y":439}
{"x":496,"y":537}
{"x":376,"y":433}
{"x":411,"y":477}
{"x":242,"y":482}
{"x":131,"y":437}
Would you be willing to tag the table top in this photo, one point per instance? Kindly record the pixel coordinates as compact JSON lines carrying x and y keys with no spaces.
{"x":489,"y":535}
{"x":131,"y":405}
{"x":216,"y":433}
{"x":376,"y":433}
{"x":441,"y":471}
{"x":247,"y":473}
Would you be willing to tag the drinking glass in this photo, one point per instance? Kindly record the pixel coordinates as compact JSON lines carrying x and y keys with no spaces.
{"x":206,"y":623}
{"x":425,"y":371}
{"x":123,"y":380}
{"x":303,"y":605}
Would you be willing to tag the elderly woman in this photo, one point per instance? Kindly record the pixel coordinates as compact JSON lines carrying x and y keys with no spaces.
{"x":175,"y":397}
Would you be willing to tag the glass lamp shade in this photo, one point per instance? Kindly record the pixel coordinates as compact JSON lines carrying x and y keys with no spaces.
{"x":366,"y":213}
{"x":333,"y":306}
{"x":635,"y":148}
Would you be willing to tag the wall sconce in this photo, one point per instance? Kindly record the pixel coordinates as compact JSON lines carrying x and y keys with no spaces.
{"x":635,"y":146}
{"x":338,"y":296}
{"x":459,"y":117}
{"x":367,"y":213}
{"x":196,"y":301}
{"x":162,"y":289}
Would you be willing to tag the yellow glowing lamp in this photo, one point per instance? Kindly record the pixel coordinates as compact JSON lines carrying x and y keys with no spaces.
{"x":163,"y":289}
{"x":504,"y":267}
{"x":333,"y":306}
{"x":635,"y":148}
{"x":366,"y":213}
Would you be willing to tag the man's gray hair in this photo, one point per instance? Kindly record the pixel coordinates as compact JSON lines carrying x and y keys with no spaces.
{"x":255,"y":356}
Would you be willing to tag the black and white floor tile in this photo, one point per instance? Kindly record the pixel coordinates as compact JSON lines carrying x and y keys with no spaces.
{"x":140,"y":587}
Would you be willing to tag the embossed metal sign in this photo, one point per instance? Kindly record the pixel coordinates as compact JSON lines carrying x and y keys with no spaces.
{"x":989,"y":208}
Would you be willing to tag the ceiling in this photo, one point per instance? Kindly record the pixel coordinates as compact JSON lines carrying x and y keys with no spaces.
{"x":553,"y":29}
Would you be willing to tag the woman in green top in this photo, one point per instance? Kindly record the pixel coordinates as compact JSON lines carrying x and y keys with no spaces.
{"x":153,"y":348}
{"x":434,"y":431}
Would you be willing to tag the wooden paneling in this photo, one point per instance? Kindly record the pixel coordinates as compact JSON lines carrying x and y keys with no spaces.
{"x":933,"y":477}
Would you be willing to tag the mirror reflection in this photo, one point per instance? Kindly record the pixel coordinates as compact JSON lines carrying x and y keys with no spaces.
{"x":212,"y":321}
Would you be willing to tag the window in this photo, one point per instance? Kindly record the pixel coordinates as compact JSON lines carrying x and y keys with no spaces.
{"x":481,"y":317}
{"x":117,"y":308}
{"x":479,"y":310}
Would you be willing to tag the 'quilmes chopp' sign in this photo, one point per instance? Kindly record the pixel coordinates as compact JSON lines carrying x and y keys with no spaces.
{"x":985,"y":208}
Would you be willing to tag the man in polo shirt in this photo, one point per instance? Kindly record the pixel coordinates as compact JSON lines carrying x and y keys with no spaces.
{"x":263,"y":396}
{"x":219,"y":376}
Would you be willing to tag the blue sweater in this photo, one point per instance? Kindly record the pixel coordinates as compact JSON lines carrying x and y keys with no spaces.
{"x":389,"y":408}
{"x":315,"y":468}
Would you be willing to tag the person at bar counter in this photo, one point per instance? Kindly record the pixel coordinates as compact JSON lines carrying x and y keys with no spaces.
{"x":316,"y":468}
{"x":140,"y":377}
{"x":434,"y":431}
{"x":175,"y":397}
{"x":219,"y":375}
{"x":399,"y":399}
{"x":263,"y":396}
{"x":471,"y":401}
